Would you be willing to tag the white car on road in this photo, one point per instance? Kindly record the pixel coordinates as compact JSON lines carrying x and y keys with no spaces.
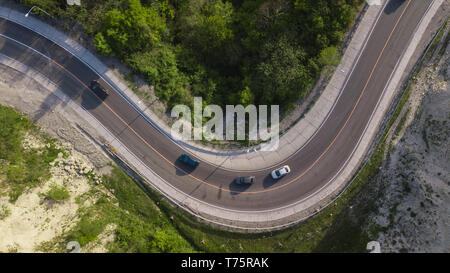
{"x":277,"y":174}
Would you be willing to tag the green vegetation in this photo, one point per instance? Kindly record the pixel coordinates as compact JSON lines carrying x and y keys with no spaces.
{"x":57,"y":193}
{"x":338,"y":228}
{"x":142,"y":221}
{"x":4,"y":212}
{"x":401,"y":124}
{"x":134,"y":29}
{"x":139,"y":225}
{"x":147,"y":223}
{"x":432,"y":47}
{"x":226,"y":51}
{"x":332,"y":230}
{"x":22,"y":168}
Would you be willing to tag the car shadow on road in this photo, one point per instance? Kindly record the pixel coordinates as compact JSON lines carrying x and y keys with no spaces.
{"x":236,"y":189}
{"x":182,"y":169}
{"x":269,"y":181}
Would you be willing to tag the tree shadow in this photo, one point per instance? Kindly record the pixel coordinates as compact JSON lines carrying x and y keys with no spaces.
{"x":40,"y":69}
{"x":393,"y":5}
{"x":90,"y":100}
{"x":72,"y":90}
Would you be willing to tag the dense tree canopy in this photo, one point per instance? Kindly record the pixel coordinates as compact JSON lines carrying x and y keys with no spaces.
{"x":206,"y":26}
{"x":227,"y":51}
{"x":137,"y":28}
{"x":282,"y":69}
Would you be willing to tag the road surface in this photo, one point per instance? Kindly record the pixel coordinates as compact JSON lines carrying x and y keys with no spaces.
{"x":315,"y":165}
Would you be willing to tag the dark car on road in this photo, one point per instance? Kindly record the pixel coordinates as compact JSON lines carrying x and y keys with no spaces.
{"x":188,"y":160}
{"x":98,"y":90}
{"x":245,"y":180}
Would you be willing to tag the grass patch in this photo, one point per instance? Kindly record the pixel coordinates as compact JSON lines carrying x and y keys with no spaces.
{"x":445,"y":44}
{"x":435,"y":43}
{"x":57,"y":193}
{"x":140,"y":226}
{"x":401,"y":124}
{"x":4,"y":212}
{"x":333,"y":230}
{"x":26,"y":168}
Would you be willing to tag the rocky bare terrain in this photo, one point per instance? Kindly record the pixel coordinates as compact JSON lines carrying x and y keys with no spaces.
{"x":414,"y":204}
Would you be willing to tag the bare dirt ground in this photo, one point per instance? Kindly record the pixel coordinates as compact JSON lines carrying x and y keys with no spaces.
{"x":413,"y":208}
{"x":59,"y":121}
{"x":32,"y":219}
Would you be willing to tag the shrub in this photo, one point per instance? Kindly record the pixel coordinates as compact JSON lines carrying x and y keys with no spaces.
{"x":329,"y":56}
{"x":57,"y":193}
{"x":4,"y":212}
{"x":159,"y":67}
{"x":135,"y":29}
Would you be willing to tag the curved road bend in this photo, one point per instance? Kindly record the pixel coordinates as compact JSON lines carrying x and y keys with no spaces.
{"x":312,"y":167}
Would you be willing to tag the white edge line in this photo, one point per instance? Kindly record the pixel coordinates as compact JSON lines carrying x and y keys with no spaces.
{"x":240,"y":211}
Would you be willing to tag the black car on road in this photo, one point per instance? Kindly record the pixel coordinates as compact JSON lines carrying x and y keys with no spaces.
{"x":98,"y":90}
{"x":245,"y":180}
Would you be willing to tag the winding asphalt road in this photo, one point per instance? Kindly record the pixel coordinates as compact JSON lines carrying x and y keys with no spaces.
{"x":315,"y":165}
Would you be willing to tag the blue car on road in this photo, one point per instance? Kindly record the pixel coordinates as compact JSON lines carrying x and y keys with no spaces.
{"x":188,"y":160}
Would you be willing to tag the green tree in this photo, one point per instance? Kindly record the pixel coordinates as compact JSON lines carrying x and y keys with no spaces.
{"x":159,"y":67}
{"x":135,"y":29}
{"x":220,"y":48}
{"x":329,"y":56}
{"x":102,"y":45}
{"x":282,"y":75}
{"x":207,"y":25}
{"x":246,"y":96}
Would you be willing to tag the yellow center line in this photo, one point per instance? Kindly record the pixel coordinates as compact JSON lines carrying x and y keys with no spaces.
{"x":279,"y":186}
